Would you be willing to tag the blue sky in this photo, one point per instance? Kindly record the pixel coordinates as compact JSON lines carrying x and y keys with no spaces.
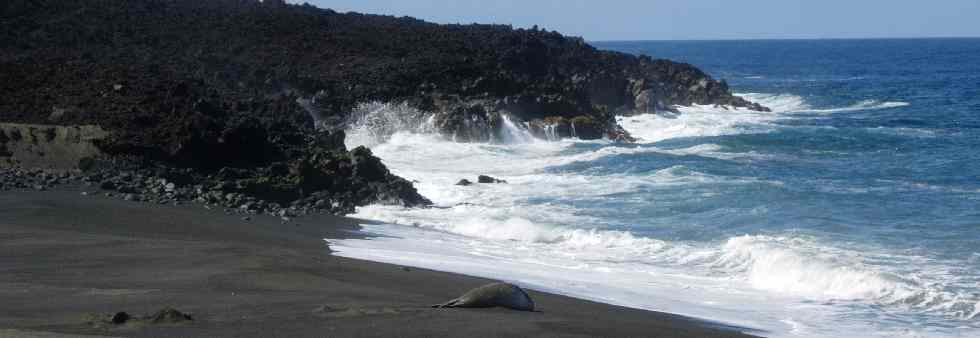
{"x":697,"y":19}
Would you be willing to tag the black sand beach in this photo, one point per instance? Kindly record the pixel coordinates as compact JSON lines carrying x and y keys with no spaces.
{"x":244,"y":105}
{"x":67,"y":261}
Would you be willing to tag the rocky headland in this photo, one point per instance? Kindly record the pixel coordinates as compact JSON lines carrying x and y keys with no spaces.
{"x":243,"y":104}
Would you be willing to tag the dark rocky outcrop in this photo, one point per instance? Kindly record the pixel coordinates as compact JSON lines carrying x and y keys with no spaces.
{"x":488,"y":179}
{"x":321,"y":177}
{"x":234,"y":91}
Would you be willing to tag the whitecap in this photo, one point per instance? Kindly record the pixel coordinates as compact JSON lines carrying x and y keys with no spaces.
{"x":903,"y":131}
{"x":860,"y":106}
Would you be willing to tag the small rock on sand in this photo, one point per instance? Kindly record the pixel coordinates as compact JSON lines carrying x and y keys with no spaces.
{"x":170,"y":315}
{"x":120,"y":318}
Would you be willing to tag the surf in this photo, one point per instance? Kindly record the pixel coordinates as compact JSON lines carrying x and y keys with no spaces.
{"x":546,"y":228}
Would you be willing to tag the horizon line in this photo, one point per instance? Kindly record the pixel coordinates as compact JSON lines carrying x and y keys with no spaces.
{"x":954,"y":37}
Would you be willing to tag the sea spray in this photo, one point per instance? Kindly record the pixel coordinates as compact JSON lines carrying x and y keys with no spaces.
{"x":374,"y":122}
{"x":514,"y":133}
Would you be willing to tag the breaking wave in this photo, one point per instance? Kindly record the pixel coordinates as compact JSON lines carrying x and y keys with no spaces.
{"x":542,"y":229}
{"x":860,"y":106}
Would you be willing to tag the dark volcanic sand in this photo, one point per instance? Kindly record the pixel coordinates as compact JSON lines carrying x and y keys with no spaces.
{"x":66,"y":257}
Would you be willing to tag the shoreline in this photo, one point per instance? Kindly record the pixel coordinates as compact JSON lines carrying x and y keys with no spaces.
{"x":68,"y":258}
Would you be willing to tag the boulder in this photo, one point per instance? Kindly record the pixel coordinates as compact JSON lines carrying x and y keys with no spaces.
{"x":488,"y":179}
{"x":120,"y":318}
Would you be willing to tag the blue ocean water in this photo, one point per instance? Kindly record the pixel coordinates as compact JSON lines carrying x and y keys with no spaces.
{"x":852,"y":209}
{"x":905,"y":177}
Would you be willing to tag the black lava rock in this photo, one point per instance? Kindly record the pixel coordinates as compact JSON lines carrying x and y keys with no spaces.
{"x":255,"y":103}
{"x":120,"y":318}
{"x":169,"y":316}
{"x":488,"y":179}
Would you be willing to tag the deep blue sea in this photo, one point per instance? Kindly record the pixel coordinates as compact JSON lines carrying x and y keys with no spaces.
{"x":851,"y":210}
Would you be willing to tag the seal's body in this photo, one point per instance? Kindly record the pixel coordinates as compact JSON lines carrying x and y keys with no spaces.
{"x":491,"y":295}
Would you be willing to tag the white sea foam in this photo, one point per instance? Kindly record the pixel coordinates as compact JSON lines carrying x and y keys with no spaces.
{"x":695,"y":121}
{"x":779,"y":103}
{"x":786,"y":103}
{"x":706,"y":120}
{"x":785,"y":285}
{"x":860,"y":106}
{"x":798,"y":267}
{"x":751,"y":281}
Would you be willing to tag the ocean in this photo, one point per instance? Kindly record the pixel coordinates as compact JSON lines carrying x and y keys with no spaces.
{"x":850,"y":210}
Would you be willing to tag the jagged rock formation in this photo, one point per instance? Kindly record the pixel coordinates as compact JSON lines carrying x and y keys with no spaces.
{"x":231,"y":85}
{"x":326,"y":178}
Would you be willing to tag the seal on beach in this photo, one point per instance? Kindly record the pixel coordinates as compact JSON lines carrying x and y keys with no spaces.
{"x":491,"y":295}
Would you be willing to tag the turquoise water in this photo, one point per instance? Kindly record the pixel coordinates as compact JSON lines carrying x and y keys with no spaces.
{"x":850,"y":210}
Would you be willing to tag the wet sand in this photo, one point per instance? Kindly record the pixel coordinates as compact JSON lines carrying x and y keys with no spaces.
{"x":66,"y":259}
